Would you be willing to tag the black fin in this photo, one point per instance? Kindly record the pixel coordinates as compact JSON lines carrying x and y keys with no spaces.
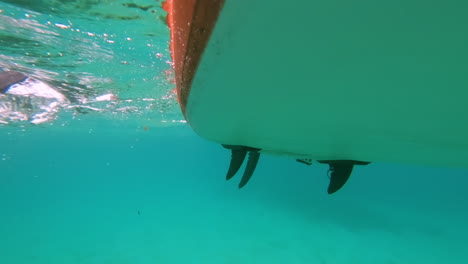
{"x":249,"y":170}
{"x":340,"y":170}
{"x":237,"y":158}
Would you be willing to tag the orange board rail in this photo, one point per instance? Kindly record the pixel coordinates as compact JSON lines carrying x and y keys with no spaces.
{"x":191,"y":23}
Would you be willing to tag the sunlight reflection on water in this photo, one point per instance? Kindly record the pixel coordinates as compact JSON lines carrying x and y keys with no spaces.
{"x":89,"y":49}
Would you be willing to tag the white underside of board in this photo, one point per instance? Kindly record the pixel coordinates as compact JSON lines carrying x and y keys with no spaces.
{"x":362,"y":80}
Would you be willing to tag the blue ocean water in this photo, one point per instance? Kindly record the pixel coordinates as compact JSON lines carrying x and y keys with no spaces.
{"x":137,"y":187}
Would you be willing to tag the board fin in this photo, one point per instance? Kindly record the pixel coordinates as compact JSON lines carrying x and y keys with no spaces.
{"x":339,"y":175}
{"x":238,"y":154}
{"x":249,"y":170}
{"x":237,"y":158}
{"x":339,"y":172}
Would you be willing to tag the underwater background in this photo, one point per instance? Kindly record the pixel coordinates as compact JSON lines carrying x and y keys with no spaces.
{"x":126,"y":181}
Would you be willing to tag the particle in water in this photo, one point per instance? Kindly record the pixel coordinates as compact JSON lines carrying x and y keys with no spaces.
{"x":62,"y":26}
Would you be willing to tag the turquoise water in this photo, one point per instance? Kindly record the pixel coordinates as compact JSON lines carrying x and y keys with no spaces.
{"x":139,"y":187}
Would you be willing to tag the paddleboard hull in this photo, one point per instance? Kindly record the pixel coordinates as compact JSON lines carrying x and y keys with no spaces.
{"x":330,"y":80}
